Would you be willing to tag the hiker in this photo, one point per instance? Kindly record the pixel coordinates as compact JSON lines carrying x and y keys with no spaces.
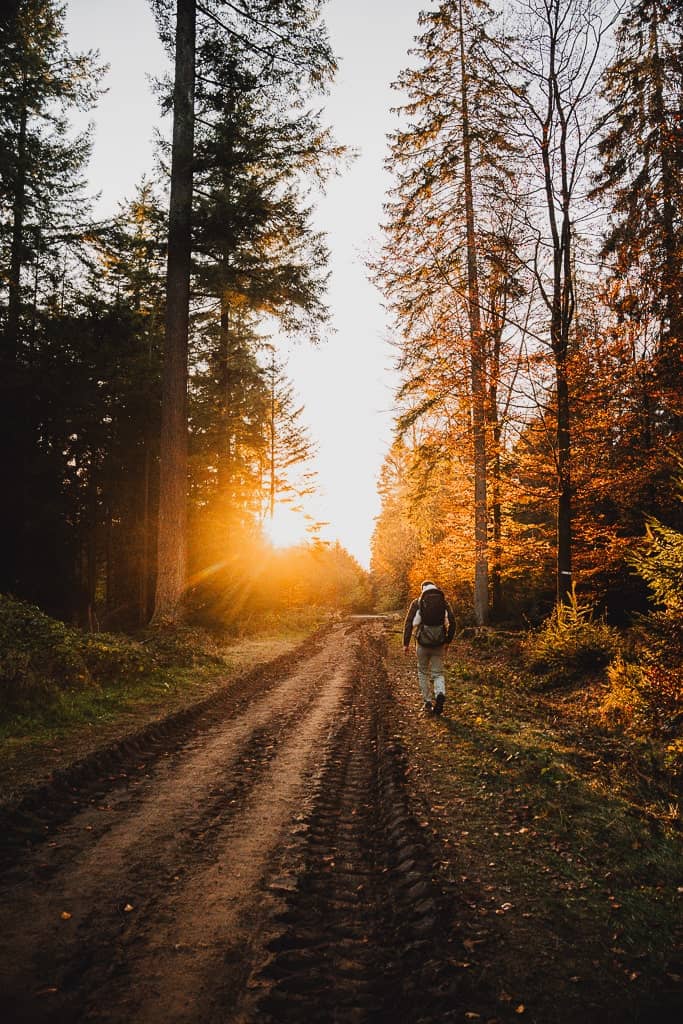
{"x":431,"y":616}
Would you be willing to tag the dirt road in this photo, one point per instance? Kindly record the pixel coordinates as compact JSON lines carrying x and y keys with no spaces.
{"x":256,"y":861}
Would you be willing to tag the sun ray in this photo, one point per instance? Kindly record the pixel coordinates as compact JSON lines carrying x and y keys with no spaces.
{"x":286,"y":528}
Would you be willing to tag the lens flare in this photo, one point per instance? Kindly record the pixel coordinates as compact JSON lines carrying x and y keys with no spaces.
{"x":286,"y":528}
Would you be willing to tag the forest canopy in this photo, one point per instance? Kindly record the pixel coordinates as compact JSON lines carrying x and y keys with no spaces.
{"x":89,"y":312}
{"x":531,"y":264}
{"x":532,"y":260}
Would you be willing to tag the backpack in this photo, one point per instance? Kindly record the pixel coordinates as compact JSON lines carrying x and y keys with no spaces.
{"x":431,"y":631}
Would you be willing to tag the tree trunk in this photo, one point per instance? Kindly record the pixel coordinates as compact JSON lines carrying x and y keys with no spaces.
{"x":15,"y":401}
{"x":172,"y":540}
{"x":225,"y":467}
{"x":672,"y":334}
{"x":561,"y":305}
{"x":17,"y":248}
{"x":564,"y":496}
{"x":144,"y":568}
{"x":271,"y":502}
{"x":477,"y":366}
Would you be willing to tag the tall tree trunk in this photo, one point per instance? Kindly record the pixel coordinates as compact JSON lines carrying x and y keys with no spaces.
{"x":561,"y":306}
{"x":15,"y":399}
{"x":477,"y":363}
{"x":144,"y":568}
{"x":271,"y":503}
{"x":17,"y":248}
{"x":225,"y":466}
{"x":672,"y":258}
{"x":564,"y":496}
{"x":172,"y":541}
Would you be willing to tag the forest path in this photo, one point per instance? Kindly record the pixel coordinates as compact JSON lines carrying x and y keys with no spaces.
{"x":258,"y":863}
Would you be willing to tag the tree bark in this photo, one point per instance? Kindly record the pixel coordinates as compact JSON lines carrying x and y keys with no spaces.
{"x":561,"y":306}
{"x":17,"y":248}
{"x":564,"y":496}
{"x":172,"y":540}
{"x":477,"y":364}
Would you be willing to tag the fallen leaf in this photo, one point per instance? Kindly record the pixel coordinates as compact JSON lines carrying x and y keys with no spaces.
{"x":127,"y":909}
{"x":521,"y":1008}
{"x":65,"y":915}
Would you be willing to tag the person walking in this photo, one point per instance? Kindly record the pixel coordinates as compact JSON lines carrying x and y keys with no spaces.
{"x":432,"y":618}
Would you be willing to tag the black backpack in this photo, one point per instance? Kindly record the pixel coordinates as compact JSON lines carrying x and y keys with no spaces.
{"x":431,"y":631}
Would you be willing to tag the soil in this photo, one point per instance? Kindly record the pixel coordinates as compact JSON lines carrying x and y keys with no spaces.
{"x":29,"y":760}
{"x":261,"y":857}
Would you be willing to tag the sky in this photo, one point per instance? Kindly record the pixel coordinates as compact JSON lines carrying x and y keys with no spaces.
{"x":346,"y":384}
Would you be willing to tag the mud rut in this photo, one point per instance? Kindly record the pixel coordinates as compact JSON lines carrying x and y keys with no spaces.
{"x":255,"y":860}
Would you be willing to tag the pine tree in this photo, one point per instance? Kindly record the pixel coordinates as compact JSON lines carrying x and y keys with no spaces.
{"x":252,"y":242}
{"x":642,"y":178}
{"x":42,"y":210}
{"x":172,"y":532}
{"x":442,"y":268}
{"x":289,"y":449}
{"x":130,"y":283}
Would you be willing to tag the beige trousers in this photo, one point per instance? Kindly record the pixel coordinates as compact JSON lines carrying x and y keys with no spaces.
{"x":430,"y":671}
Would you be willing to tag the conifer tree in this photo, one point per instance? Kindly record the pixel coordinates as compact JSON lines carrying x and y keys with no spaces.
{"x":252,"y":242}
{"x":289,"y":448}
{"x":130,"y":284}
{"x":42,"y":210}
{"x":642,"y":178}
{"x":172,"y":532}
{"x":453,"y":165}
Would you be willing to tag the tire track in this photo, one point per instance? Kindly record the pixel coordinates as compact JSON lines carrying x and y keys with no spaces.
{"x":33,"y":816}
{"x":366,"y":934}
{"x":164,"y":851}
{"x":266,"y":867}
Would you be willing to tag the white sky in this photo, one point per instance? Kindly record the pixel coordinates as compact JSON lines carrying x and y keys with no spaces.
{"x":347,"y":384}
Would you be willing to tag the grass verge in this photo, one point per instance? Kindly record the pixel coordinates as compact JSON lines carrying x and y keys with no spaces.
{"x":560,"y":841}
{"x":45,"y":735}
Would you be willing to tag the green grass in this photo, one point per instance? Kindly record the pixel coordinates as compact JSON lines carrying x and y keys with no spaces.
{"x":577,"y":828}
{"x":49,"y":722}
{"x":100,"y":705}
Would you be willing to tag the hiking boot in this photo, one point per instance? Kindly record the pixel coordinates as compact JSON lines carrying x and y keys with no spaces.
{"x":427,"y":707}
{"x":439,"y":703}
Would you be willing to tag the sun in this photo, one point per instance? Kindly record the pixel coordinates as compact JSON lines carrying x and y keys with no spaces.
{"x":286,"y":529}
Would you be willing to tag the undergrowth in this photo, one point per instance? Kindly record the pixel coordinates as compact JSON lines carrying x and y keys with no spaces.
{"x":53,"y":676}
{"x":570,"y":645}
{"x":563,"y":835}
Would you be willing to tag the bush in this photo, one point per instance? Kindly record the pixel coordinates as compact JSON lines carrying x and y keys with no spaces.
{"x":659,"y":561}
{"x":177,"y":646}
{"x":644,"y":695}
{"x":110,"y":658}
{"x":42,"y":658}
{"x":39,"y":656}
{"x":569,"y":645}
